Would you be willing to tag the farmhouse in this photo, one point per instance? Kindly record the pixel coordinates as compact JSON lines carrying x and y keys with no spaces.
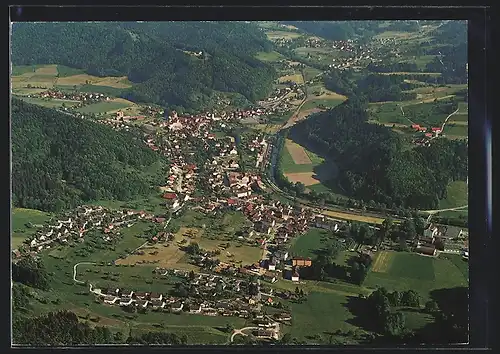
{"x":142,"y":303}
{"x":302,"y":262}
{"x":110,"y":299}
{"x":157,"y":304}
{"x":427,"y":250}
{"x":155,"y":296}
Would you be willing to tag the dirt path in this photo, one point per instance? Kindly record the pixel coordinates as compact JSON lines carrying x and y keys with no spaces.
{"x":448,"y":209}
{"x":446,"y":120}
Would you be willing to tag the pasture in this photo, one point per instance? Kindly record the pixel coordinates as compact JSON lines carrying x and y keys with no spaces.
{"x":297,"y":78}
{"x":82,"y":79}
{"x":65,"y":71}
{"x":403,"y":271}
{"x":105,"y":106}
{"x":20,"y":218}
{"x":307,"y":159}
{"x":269,"y":56}
{"x":323,"y":101}
{"x":317,"y":319}
{"x":457,"y":195}
{"x":49,"y":103}
{"x":308,"y":244}
{"x":387,"y":113}
{"x":453,"y":130}
{"x":310,"y":73}
{"x":275,"y":35}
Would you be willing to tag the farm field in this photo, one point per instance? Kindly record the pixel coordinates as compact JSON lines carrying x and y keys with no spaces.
{"x":459,"y":262}
{"x":65,"y":71}
{"x":388,"y":113}
{"x":310,"y":73}
{"x":456,"y":131}
{"x":297,"y":78}
{"x":308,"y":244}
{"x":402,"y":271}
{"x":106,"y":106}
{"x":308,"y":159}
{"x":457,"y":195}
{"x":322,"y":314}
{"x":273,"y":35}
{"x":322,"y":102}
{"x":52,"y":103}
{"x":269,"y":56}
{"x":345,"y":216}
{"x":20,"y":217}
{"x":307,"y":178}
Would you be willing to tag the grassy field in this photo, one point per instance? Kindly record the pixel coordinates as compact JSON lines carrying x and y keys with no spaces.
{"x":461,"y":264}
{"x":387,"y":113}
{"x":297,"y":78}
{"x":310,"y":73}
{"x":307,"y":244}
{"x":52,"y":103}
{"x":269,"y":56}
{"x":457,"y":195}
{"x":65,"y":71}
{"x":104,"y":107}
{"x":327,"y":103}
{"x":400,"y":273}
{"x":456,"y":131}
{"x":273,"y":35}
{"x":18,"y":70}
{"x":289,"y":166}
{"x":315,"y":320}
{"x":20,"y":217}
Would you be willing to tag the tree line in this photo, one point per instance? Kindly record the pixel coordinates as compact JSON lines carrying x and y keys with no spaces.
{"x":153,"y":57}
{"x":372,"y":162}
{"x":60,"y":161}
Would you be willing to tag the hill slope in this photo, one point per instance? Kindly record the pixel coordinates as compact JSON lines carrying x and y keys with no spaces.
{"x":59,"y":161}
{"x":158,"y":57}
{"x":374,"y":165}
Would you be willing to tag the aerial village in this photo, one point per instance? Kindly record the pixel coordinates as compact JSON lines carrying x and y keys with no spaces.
{"x":229,"y":289}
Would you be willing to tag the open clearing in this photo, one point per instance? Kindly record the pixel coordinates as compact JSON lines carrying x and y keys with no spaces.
{"x":298,"y":153}
{"x":320,"y":315}
{"x":81,"y":79}
{"x":20,"y":217}
{"x":297,"y":78}
{"x":269,"y":56}
{"x":106,"y":106}
{"x":323,"y":101}
{"x":304,"y":177}
{"x":273,"y":35}
{"x":457,"y":195}
{"x":420,"y":273}
{"x":52,"y":103}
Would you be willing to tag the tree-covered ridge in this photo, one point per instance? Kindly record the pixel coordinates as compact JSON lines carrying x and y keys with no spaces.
{"x":60,"y":161}
{"x":373,"y":164}
{"x":152,"y":56}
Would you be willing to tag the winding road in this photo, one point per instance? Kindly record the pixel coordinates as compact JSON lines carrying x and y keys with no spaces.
{"x":240,"y":332}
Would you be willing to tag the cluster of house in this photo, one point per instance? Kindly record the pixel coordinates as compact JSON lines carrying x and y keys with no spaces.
{"x":82,"y":97}
{"x":442,"y":238}
{"x":257,"y":145}
{"x":202,"y":289}
{"x":120,"y":116}
{"x":79,"y":222}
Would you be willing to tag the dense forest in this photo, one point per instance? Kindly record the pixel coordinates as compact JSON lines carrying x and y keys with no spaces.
{"x":59,"y":161}
{"x":373,"y":164}
{"x":157,"y":57}
{"x":372,"y":87}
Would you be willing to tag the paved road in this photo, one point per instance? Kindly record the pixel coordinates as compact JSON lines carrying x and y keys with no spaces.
{"x":446,"y":120}
{"x":74,"y":271}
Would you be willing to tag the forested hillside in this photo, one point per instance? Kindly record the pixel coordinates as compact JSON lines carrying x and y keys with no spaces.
{"x":156,"y":57}
{"x":373,"y":164}
{"x":59,"y":161}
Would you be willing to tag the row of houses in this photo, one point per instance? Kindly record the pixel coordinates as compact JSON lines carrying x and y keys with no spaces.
{"x":74,"y":224}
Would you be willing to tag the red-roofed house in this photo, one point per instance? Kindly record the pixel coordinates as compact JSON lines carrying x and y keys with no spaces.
{"x":429,"y":135}
{"x":415,"y":126}
{"x":160,"y":220}
{"x":170,"y":196}
{"x":436,"y":129}
{"x":231,"y":202}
